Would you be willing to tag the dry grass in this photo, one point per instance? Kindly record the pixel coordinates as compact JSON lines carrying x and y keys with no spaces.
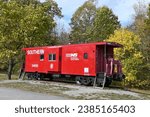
{"x":73,"y":91}
{"x":4,"y":77}
{"x":46,"y":89}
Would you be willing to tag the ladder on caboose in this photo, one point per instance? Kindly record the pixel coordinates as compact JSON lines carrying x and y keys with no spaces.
{"x":104,"y":81}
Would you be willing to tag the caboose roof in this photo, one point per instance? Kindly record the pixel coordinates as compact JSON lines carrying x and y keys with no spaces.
{"x":113,"y":44}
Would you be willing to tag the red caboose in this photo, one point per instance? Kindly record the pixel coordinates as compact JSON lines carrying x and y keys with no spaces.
{"x":83,"y":63}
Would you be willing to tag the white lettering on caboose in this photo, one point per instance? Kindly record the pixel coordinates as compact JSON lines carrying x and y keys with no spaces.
{"x":40,"y":51}
{"x":72,"y":56}
{"x":35,"y":65}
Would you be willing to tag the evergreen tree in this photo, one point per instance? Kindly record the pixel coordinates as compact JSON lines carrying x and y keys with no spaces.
{"x":105,"y":24}
{"x":82,"y":22}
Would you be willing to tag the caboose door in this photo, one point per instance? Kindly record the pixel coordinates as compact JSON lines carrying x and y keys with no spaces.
{"x":100,"y":58}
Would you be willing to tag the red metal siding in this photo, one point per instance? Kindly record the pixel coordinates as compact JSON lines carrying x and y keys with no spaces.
{"x":73,"y":61}
{"x":32,"y":60}
{"x":35,"y":64}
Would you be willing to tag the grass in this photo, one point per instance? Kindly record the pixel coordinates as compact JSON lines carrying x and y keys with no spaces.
{"x":58,"y":90}
{"x":47,"y":89}
{"x":44,"y":88}
{"x":140,"y":91}
{"x":4,"y":77}
{"x":106,"y":96}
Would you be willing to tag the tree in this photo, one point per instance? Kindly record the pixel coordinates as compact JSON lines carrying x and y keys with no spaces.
{"x":105,"y":24}
{"x":146,"y":41}
{"x":24,"y":2}
{"x":139,"y":19}
{"x":82,"y":22}
{"x":140,"y":27}
{"x":24,"y":25}
{"x":130,"y":55}
{"x":61,"y":33}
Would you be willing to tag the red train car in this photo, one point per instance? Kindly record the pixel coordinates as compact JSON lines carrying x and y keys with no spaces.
{"x":84,"y":63}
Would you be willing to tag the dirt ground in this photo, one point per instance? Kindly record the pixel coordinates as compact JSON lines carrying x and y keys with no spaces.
{"x":69,"y":91}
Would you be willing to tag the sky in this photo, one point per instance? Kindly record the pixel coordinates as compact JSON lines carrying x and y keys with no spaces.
{"x":122,"y":8}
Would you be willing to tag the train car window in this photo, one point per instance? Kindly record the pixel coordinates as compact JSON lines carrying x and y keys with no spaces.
{"x":85,"y":55}
{"x":52,"y":57}
{"x":42,"y":57}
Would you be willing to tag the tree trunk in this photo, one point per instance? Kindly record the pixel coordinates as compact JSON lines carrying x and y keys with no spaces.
{"x":10,"y":68}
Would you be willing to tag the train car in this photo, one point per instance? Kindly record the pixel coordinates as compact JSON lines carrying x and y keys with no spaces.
{"x":87,"y":64}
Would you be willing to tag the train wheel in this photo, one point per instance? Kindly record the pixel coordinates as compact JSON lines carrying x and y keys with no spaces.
{"x":29,"y":76}
{"x":86,"y":81}
{"x":78,"y":80}
{"x":33,"y":76}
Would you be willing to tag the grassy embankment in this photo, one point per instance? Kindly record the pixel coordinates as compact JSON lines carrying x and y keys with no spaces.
{"x":4,"y":77}
{"x":27,"y":86}
{"x":53,"y":89}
